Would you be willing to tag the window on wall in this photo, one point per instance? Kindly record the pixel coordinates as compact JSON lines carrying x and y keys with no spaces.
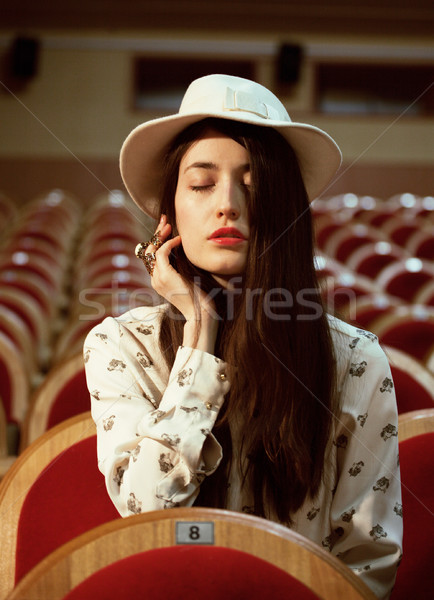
{"x":353,"y":88}
{"x":160,"y":83}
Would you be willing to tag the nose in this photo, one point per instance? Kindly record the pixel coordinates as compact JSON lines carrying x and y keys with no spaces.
{"x":229,"y":212}
{"x":230,"y":202}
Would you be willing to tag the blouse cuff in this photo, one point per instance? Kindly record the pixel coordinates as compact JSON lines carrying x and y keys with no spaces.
{"x":201,"y":376}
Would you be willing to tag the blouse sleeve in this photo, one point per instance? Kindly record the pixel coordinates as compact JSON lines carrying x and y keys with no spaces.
{"x":154,"y":438}
{"x":366,"y":512}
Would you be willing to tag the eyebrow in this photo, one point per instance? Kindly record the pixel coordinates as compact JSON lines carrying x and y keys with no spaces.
{"x":210,"y":166}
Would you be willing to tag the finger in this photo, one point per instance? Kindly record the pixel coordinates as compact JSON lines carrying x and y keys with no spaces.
{"x":172,"y":243}
{"x":163,"y":230}
{"x":146,"y":251}
{"x":159,"y":237}
{"x":149,"y":253}
{"x":168,"y":246}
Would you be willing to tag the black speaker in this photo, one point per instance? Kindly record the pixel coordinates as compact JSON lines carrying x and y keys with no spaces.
{"x":288,"y":63}
{"x":24,"y":58}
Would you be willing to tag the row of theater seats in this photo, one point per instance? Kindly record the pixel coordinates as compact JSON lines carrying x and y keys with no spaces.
{"x":36,"y":245}
{"x":62,"y":538}
{"x":106,"y":276}
{"x":53,"y":492}
{"x":64,"y":267}
{"x":375,"y":263}
{"x":234,"y":554}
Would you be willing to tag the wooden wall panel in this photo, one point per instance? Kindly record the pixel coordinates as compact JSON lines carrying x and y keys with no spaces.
{"x":22,"y":179}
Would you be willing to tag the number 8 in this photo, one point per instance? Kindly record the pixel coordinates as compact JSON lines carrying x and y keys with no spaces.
{"x":194,"y":532}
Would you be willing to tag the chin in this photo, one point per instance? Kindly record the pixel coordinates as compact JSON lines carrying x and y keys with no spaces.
{"x":228,"y":280}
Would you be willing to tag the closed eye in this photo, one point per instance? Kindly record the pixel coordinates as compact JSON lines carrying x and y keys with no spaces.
{"x":201,"y":188}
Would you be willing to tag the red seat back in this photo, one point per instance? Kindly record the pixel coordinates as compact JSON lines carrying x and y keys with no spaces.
{"x":410,"y":394}
{"x":195,"y":573}
{"x":68,"y":498}
{"x":415,"y":337}
{"x":374,"y":263}
{"x":72,"y":400}
{"x":414,"y":578}
{"x":404,"y":285}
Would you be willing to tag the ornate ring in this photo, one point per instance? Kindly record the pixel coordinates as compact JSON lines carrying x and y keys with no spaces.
{"x":149,"y":261}
{"x":155,"y":240}
{"x":140,"y":249}
{"x":148,"y":258}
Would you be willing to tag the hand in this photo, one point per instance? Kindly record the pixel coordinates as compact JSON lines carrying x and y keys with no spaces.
{"x":201,"y":326}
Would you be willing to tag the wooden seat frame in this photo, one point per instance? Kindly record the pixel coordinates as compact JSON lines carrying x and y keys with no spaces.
{"x":411,"y":365}
{"x":415,"y":422}
{"x":19,"y":479}
{"x":41,"y":402}
{"x":72,"y":563}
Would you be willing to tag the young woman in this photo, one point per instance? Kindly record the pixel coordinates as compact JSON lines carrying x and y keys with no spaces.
{"x":238,"y":391}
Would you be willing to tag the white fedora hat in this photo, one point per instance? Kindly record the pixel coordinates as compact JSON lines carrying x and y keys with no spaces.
{"x":225,"y":97}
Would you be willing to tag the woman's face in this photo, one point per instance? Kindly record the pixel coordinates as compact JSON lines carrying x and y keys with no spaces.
{"x":211,"y":205}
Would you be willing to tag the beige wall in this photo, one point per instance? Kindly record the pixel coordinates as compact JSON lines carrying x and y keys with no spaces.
{"x":78,"y":109}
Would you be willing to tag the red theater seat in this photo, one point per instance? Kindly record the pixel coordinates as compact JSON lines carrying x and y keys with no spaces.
{"x":369,"y":259}
{"x":416,"y":446}
{"x":241,"y":557}
{"x":342,"y":243}
{"x":421,"y":244}
{"x":6,"y":458}
{"x":52,"y":493}
{"x":425,"y":294}
{"x":324,"y":226}
{"x":211,"y":572}
{"x":404,"y":280}
{"x":62,"y":394}
{"x":414,"y":384}
{"x":341,"y":292}
{"x":407,"y":328}
{"x":401,"y":227}
{"x":368,"y":308}
{"x":14,"y":381}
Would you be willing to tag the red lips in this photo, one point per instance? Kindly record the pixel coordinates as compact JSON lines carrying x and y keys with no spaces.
{"x":227,"y":233}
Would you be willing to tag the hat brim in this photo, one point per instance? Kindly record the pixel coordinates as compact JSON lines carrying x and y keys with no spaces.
{"x":142,"y":153}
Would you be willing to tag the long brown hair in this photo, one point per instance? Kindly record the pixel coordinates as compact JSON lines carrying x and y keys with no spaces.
{"x":276,"y":341}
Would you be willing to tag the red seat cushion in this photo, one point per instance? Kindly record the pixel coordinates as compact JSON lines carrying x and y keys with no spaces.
{"x":414,"y":337}
{"x":349,"y":245}
{"x":366,"y":315}
{"x":372,"y":265}
{"x":401,"y":233}
{"x":426,"y":249}
{"x":414,"y":578}
{"x":193,"y":573}
{"x":410,"y":395}
{"x":72,"y":400}
{"x":68,"y":498}
{"x":323,"y":235}
{"x":405,"y":284}
{"x":23,"y":314}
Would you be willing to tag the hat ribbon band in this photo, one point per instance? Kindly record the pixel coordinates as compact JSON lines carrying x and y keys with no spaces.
{"x":246,"y":102}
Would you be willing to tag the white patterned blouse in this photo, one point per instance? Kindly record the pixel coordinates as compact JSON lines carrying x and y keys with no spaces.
{"x":155,"y":441}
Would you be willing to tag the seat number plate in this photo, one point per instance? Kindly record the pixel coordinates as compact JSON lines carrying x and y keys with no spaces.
{"x":195,"y":532}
